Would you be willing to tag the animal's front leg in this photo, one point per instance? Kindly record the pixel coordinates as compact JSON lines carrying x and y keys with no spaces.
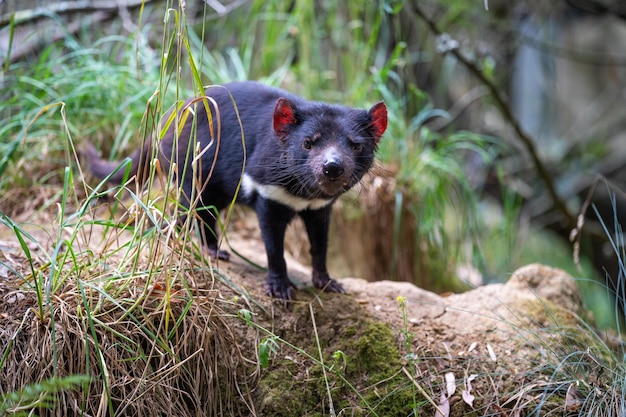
{"x":317,"y":223}
{"x":273,"y":221}
{"x":206,"y":218}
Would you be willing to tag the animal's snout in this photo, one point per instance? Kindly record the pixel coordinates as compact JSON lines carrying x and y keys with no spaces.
{"x":333,"y":169}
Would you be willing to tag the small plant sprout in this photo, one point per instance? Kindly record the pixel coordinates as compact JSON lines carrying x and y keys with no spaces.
{"x":268,"y":346}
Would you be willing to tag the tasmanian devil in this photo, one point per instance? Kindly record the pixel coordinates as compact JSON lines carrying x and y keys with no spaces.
{"x":300,"y":156}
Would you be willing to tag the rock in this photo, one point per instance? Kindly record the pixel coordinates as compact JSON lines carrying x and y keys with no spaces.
{"x":486,"y":308}
{"x":552,"y":284}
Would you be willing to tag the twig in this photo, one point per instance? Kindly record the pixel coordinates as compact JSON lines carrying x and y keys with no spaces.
{"x":575,"y":234}
{"x":459,"y":107}
{"x":505,"y":109}
{"x":319,"y":350}
{"x":220,"y":9}
{"x":422,"y":391}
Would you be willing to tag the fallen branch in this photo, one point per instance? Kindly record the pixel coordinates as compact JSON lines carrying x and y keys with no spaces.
{"x":30,"y":15}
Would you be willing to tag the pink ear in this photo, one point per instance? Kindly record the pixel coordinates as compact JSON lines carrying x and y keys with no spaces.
{"x":378,"y":113}
{"x":284,"y":116}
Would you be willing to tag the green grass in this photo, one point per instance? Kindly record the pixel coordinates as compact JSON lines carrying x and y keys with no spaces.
{"x":37,"y":395}
{"x":583,"y":374}
{"x":94,"y":86}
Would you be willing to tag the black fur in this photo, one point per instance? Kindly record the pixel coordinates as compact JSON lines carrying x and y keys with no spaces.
{"x":301,"y":156}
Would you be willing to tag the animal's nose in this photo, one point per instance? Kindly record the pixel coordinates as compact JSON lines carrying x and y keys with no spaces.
{"x":333,"y":169}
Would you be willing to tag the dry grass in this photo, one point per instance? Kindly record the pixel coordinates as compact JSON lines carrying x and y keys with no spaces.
{"x":149,"y":322}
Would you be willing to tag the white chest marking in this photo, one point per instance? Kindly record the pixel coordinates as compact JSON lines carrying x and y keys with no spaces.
{"x":281,"y":195}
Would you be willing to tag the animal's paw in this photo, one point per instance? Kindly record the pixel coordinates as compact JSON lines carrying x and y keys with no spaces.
{"x":215,"y":253}
{"x":280,"y":288}
{"x":326,"y":283}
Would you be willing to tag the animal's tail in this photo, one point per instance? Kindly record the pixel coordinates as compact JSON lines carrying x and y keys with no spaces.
{"x":101,"y":168}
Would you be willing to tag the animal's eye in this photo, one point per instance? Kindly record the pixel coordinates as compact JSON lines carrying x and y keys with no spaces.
{"x":307,"y":144}
{"x":357,"y":147}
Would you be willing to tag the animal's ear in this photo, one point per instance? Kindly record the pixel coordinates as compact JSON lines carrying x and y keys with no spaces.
{"x":378,"y":115}
{"x":284,"y":116}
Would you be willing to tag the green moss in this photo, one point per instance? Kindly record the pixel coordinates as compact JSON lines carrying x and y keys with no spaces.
{"x":368,"y":382}
{"x":374,"y":351}
{"x":349,"y":331}
{"x":375,"y":361}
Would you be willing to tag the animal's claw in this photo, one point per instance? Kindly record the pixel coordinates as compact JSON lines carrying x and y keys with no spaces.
{"x":215,"y":253}
{"x":281,"y":290}
{"x":326,"y":283}
{"x":334,"y":286}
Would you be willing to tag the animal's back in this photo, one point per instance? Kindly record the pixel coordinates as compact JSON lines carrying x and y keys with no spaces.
{"x":243,"y":115}
{"x":241,"y":112}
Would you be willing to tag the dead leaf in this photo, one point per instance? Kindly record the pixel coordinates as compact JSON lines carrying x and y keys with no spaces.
{"x":159,"y":291}
{"x":14,"y":296}
{"x":450,"y":383}
{"x":573,"y":399}
{"x":443,"y":409}
{"x":492,"y":354}
{"x":466,"y":394}
{"x":468,"y":398}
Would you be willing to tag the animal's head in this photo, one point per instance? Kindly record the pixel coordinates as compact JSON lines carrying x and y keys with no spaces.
{"x":329,"y":147}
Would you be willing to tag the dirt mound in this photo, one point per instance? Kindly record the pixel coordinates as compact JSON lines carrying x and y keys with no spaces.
{"x":386,"y":348}
{"x":496,"y":338}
